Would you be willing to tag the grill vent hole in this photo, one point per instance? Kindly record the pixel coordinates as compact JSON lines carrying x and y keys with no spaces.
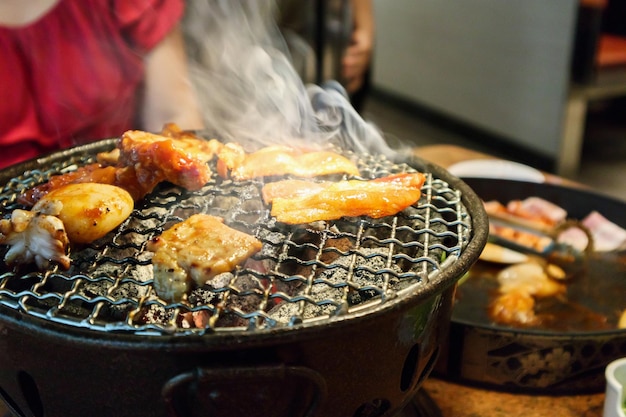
{"x":30,"y":393}
{"x":410,"y":368}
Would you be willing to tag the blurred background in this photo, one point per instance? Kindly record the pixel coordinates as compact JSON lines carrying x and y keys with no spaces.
{"x":541,"y":83}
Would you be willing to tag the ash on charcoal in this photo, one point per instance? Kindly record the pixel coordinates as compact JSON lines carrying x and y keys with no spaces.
{"x":336,"y":285}
{"x":155,"y":314}
{"x":246,"y":298}
{"x":209,"y":293}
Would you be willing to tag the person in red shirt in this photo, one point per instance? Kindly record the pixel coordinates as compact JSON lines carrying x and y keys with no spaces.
{"x":75,"y":71}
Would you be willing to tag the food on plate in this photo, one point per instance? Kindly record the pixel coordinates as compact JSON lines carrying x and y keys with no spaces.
{"x":194,"y":251}
{"x":499,"y":254}
{"x":276,"y":160}
{"x":607,"y":236}
{"x":522,"y":229}
{"x":330,"y":201}
{"x":533,"y":290}
{"x":531,"y":278}
{"x":35,"y":237}
{"x":88,"y":210}
{"x":533,"y":218}
{"x":537,"y":210}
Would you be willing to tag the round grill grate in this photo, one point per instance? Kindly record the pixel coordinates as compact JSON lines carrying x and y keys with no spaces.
{"x":303,"y":274}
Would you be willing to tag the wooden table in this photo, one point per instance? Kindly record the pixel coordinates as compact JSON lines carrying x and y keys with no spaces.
{"x":457,"y":400}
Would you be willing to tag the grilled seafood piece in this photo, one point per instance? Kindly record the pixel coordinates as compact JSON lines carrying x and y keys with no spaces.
{"x":88,"y":210}
{"x":35,"y":236}
{"x":194,"y":251}
{"x":330,"y":201}
{"x":280,"y":160}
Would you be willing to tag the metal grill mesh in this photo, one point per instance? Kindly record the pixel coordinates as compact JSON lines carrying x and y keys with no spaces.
{"x":302,"y":274}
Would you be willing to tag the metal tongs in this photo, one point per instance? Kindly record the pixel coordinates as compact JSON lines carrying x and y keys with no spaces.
{"x":568,"y":257}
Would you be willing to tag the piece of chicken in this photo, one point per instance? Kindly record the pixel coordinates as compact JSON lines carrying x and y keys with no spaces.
{"x":281,"y":160}
{"x":35,"y":237}
{"x":516,"y":308}
{"x":291,"y":188}
{"x":89,"y":173}
{"x":374,"y":198}
{"x":194,"y":251}
{"x":139,"y":163}
{"x":182,"y":161}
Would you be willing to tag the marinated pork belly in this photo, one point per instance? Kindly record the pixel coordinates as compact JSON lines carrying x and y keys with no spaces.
{"x":233,"y":161}
{"x":537,"y":209}
{"x":35,"y":237}
{"x":375,"y":198}
{"x":139,"y":163}
{"x":89,"y":173}
{"x":607,"y":236}
{"x":155,"y":158}
{"x":194,"y":251}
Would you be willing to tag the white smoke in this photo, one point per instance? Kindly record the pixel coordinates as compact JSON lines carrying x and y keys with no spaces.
{"x":248,"y":87}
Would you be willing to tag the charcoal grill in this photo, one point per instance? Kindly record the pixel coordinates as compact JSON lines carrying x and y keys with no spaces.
{"x":300,"y":330}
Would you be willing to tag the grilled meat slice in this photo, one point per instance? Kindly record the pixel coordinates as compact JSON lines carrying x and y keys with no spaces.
{"x":155,"y":158}
{"x":88,"y":173}
{"x":281,"y":160}
{"x":375,"y":198}
{"x":140,"y":161}
{"x":194,"y":251}
{"x":291,"y":188}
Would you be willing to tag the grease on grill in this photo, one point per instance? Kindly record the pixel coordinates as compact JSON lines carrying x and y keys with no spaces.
{"x":302,"y":273}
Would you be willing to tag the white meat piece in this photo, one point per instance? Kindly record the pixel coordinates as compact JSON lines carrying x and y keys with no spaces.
{"x":35,"y":236}
{"x":607,"y":236}
{"x":194,"y":251}
{"x":537,"y":208}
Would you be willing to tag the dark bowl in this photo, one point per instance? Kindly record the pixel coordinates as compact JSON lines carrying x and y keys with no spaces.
{"x":555,"y":361}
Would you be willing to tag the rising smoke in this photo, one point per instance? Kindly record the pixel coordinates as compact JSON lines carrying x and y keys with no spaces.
{"x":249,"y":89}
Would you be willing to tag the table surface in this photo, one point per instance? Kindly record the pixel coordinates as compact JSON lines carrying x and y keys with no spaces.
{"x":457,"y":400}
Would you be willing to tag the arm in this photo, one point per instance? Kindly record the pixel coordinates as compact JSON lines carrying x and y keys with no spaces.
{"x":169,"y":94}
{"x":359,"y":53}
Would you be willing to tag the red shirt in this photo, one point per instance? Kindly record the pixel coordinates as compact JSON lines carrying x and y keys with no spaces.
{"x":74,"y":75}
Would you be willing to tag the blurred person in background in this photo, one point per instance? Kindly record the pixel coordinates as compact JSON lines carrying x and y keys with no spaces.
{"x":348,"y":35}
{"x":75,"y":71}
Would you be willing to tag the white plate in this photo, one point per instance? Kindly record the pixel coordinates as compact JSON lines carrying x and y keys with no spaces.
{"x":496,"y":168}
